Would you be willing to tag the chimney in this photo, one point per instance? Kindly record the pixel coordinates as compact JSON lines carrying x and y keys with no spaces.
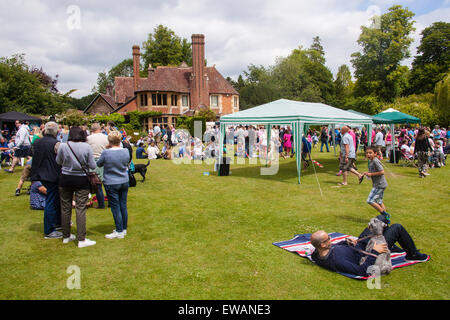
{"x":199,"y":89}
{"x":109,"y":90}
{"x":136,"y":66}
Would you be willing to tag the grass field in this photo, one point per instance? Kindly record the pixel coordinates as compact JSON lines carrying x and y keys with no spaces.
{"x":193,"y":236}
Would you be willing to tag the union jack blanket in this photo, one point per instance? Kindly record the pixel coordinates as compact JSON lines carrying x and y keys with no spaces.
{"x":302,"y":246}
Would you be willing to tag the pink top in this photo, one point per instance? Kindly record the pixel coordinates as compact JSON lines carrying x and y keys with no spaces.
{"x":389,"y":137}
{"x":353,"y":136}
{"x":287,"y":140}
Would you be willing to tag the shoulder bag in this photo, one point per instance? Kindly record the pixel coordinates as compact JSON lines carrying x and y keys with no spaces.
{"x":93,"y":179}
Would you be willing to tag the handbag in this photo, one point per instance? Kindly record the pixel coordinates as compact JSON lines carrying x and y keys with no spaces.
{"x":93,"y":179}
{"x":131,"y":179}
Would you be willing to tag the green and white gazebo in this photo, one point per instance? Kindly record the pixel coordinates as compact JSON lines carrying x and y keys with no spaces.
{"x":295,"y":114}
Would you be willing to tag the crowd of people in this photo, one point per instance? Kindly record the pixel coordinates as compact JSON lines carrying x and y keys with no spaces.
{"x":58,"y":162}
{"x":57,"y":159}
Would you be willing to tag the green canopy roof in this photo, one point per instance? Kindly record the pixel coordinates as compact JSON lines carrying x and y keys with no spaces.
{"x":397,"y":116}
{"x":378,"y":119}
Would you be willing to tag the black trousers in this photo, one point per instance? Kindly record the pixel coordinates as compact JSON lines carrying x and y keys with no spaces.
{"x":393,"y":234}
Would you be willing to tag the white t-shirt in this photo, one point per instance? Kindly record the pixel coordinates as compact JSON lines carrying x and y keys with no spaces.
{"x":406,"y":150}
{"x":379,"y":140}
{"x":152,"y":152}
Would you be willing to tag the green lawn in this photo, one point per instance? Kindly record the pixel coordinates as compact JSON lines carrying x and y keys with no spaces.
{"x":192,"y":236}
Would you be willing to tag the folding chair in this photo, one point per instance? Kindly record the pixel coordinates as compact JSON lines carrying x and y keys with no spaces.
{"x":406,"y":161}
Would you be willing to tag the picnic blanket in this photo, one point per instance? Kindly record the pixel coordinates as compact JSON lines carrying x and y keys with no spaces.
{"x":302,"y":246}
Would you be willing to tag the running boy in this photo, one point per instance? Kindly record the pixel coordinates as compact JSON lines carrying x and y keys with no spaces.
{"x":379,"y":183}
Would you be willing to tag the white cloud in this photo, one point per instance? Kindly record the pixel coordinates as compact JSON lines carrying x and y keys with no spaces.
{"x":238,"y":33}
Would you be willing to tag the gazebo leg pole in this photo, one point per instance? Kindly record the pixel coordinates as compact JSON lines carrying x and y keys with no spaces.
{"x":221,"y":138}
{"x":298,"y":128}
{"x":393,"y":140}
{"x":268,"y":133}
{"x":333,"y":136}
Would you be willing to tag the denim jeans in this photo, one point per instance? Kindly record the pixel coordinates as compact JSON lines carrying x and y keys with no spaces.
{"x":117,"y":197}
{"x":100,"y":196}
{"x":52,"y":210}
{"x":326,"y":144}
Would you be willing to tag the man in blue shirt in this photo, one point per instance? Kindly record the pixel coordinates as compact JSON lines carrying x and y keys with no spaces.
{"x":140,"y":152}
{"x":4,"y":150}
{"x":345,"y":256}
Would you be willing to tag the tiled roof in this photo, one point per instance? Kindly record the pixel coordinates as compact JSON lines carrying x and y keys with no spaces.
{"x":217,"y":83}
{"x":124,"y":88}
{"x":177,"y":79}
{"x":109,"y":100}
{"x":166,"y":79}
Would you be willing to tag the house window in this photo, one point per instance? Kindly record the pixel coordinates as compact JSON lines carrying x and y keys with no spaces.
{"x":144,"y":101}
{"x":159,"y":99}
{"x":161,"y":121}
{"x":174,"y":100}
{"x":214,"y":101}
{"x":184,"y":101}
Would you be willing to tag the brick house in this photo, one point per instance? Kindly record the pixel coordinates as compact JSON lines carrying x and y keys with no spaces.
{"x":174,"y":91}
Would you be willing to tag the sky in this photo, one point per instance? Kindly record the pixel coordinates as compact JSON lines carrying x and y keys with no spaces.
{"x":77,"y":39}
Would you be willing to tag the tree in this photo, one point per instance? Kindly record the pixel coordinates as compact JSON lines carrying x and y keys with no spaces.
{"x":105,"y":79}
{"x":343,"y":84}
{"x":419,"y":106}
{"x":441,"y":101}
{"x":377,"y":67}
{"x":302,"y":76}
{"x":316,"y":52}
{"x":164,"y":48}
{"x":27,"y":89}
{"x":433,"y":60}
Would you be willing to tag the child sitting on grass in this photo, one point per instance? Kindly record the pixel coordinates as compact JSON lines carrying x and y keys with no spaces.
{"x":379,"y":183}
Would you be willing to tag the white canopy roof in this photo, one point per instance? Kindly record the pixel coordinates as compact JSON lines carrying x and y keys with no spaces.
{"x":285,"y":111}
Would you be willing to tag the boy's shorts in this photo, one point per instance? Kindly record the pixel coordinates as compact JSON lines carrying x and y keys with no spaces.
{"x":346,"y":166}
{"x":376,"y":195}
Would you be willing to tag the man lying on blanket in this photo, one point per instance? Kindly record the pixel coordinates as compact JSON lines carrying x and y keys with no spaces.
{"x":341,"y":257}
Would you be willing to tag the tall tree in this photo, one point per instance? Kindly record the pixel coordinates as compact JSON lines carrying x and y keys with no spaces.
{"x":433,"y":60}
{"x":316,"y":52}
{"x":442,"y":100}
{"x":377,"y":67}
{"x":301,"y":76}
{"x":104,"y":79}
{"x":343,"y":84}
{"x":164,"y":48}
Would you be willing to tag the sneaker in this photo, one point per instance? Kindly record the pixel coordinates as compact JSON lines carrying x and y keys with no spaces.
{"x":115,"y":234}
{"x":17,"y":192}
{"x":54,"y":235}
{"x":86,"y":243}
{"x":383,"y":218}
{"x":9,"y":171}
{"x":418,"y":257}
{"x":71,"y":238}
{"x":387,"y":216}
